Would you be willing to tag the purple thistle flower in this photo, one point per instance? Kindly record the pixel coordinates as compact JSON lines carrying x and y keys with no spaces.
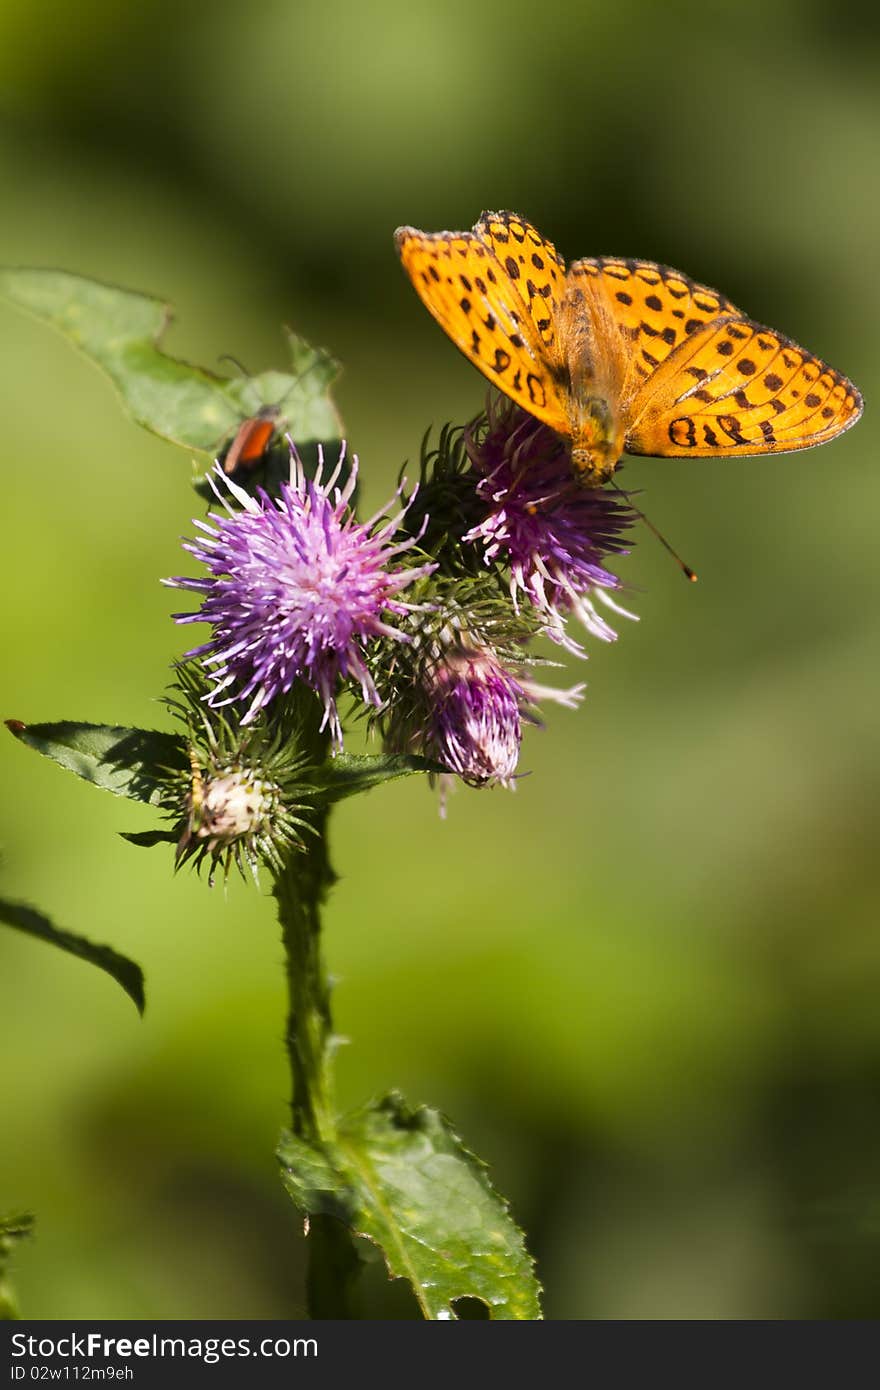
{"x":297,"y":587}
{"x":553,"y":533}
{"x":477,"y":710}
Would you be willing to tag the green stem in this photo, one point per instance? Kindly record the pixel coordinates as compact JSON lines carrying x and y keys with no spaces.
{"x":300,"y":890}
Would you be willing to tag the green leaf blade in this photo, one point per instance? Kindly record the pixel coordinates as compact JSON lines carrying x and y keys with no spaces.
{"x":127,"y":973}
{"x":147,"y":839}
{"x":121,"y":332}
{"x":135,"y":763}
{"x":403,"y":1179}
{"x":349,"y":773}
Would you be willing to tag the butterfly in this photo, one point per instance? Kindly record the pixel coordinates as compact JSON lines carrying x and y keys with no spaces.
{"x":621,"y":355}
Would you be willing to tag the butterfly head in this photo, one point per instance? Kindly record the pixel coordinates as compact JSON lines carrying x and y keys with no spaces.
{"x":597,"y":443}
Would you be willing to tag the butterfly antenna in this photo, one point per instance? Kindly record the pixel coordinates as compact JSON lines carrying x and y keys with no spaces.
{"x":685,"y":569}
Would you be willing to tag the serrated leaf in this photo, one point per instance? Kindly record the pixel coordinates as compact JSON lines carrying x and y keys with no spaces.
{"x":128,"y":762}
{"x":349,"y":773}
{"x":124,"y":971}
{"x":13,"y":1229}
{"x":403,"y":1179}
{"x":121,"y":331}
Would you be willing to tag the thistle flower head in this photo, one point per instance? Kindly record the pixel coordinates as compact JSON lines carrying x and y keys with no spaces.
{"x":477,"y":710}
{"x":553,"y":535}
{"x":296,"y":590}
{"x":475,"y":724}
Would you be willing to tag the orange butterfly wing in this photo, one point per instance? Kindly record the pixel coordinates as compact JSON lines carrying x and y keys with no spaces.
{"x":654,"y":307}
{"x":496,"y":292}
{"x":735,"y":387}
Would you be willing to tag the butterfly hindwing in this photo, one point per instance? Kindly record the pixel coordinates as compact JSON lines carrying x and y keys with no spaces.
{"x":735,"y":387}
{"x":488,"y":312}
{"x":655,"y":307}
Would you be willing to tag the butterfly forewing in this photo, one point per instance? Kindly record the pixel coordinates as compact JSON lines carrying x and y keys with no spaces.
{"x":465,"y":279}
{"x":533,"y":267}
{"x":736,"y":387}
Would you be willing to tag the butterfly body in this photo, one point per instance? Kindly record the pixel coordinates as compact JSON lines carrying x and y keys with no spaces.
{"x":593,"y":385}
{"x":621,"y":355}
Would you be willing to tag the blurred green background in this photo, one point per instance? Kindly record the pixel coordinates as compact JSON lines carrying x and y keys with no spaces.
{"x":645,"y":986}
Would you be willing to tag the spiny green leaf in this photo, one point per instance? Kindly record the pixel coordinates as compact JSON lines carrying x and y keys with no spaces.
{"x":121,"y":332}
{"x":12,"y":1230}
{"x":348,"y":773}
{"x":124,"y":971}
{"x":403,"y":1179}
{"x":128,"y":762}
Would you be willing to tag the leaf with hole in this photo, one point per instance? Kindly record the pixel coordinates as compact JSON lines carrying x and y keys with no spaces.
{"x":403,"y":1179}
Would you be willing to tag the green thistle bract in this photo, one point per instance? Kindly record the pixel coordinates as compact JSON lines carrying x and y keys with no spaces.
{"x":249,"y":798}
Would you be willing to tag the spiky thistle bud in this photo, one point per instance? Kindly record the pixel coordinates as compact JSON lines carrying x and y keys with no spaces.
{"x":249,"y":797}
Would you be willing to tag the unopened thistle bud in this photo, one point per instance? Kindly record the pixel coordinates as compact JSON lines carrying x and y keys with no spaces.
{"x":248,"y":798}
